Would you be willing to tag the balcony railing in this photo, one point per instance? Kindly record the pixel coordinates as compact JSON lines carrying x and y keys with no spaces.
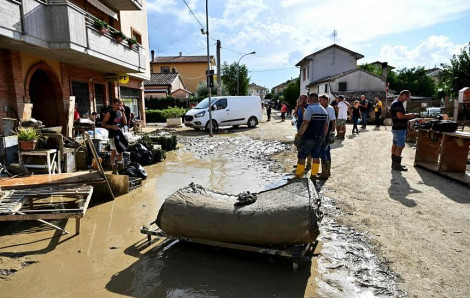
{"x":65,"y":32}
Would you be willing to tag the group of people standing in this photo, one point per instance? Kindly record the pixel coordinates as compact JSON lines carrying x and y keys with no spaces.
{"x":317,"y":121}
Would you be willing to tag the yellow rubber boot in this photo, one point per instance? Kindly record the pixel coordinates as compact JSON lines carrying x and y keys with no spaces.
{"x":300,"y":171}
{"x":315,"y":167}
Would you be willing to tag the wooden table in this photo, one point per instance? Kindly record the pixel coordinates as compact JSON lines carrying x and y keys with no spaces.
{"x":50,"y":164}
{"x":445,"y":153}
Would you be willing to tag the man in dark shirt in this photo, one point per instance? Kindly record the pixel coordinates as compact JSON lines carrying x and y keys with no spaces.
{"x":364,"y":107}
{"x":399,"y":128}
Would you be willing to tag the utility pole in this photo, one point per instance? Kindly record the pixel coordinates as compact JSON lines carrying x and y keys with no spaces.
{"x":219,"y":88}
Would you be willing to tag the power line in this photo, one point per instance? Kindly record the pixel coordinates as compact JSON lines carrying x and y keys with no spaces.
{"x":277,"y":59}
{"x":202,"y":26}
{"x":193,"y":14}
{"x":266,"y":70}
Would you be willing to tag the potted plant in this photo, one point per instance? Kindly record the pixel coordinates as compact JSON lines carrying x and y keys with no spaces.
{"x":27,"y":138}
{"x":174,"y":116}
{"x":101,"y":26}
{"x":119,"y":36}
{"x":131,"y":42}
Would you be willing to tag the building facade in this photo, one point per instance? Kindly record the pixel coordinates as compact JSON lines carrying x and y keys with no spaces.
{"x":53,"y":54}
{"x":192,"y":69}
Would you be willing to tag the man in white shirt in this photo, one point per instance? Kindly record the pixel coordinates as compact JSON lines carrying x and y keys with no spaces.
{"x":325,"y":154}
{"x":343,"y":107}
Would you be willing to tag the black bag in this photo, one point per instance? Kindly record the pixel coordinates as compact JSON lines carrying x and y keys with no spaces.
{"x":444,"y":125}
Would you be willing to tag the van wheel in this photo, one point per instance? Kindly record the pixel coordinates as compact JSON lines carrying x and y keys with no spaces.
{"x":215,"y":127}
{"x":252,"y":122}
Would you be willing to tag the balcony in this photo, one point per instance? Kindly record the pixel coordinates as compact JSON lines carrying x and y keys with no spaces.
{"x":123,"y":4}
{"x":64,"y":32}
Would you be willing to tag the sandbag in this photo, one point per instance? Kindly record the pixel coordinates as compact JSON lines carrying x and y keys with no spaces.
{"x":285,"y":215}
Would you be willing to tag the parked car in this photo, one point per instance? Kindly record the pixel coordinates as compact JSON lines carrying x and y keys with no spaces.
{"x":226,"y":111}
{"x":431,"y":112}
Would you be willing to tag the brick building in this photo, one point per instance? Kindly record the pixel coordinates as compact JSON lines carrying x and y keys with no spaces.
{"x":51,"y":52}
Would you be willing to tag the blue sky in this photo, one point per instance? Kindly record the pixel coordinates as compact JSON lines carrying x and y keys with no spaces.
{"x":404,"y":33}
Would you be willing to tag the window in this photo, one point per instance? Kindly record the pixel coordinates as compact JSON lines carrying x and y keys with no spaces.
{"x":304,"y":74}
{"x":308,"y":71}
{"x":221,"y":104}
{"x":165,"y":69}
{"x":342,"y":86}
{"x":326,"y":88}
{"x":136,"y":35}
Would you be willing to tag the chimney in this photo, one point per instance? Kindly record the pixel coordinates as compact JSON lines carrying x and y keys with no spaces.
{"x":181,"y":54}
{"x":153,"y":55}
{"x":384,"y":70}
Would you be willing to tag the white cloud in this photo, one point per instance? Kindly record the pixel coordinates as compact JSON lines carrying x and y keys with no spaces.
{"x":288,"y":3}
{"x":430,"y":53}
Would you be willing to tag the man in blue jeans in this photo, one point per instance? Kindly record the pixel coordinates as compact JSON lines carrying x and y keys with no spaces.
{"x":310,"y":136}
{"x":399,"y":128}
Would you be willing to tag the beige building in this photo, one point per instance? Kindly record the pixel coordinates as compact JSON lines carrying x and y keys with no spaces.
{"x":192,"y":69}
{"x":254,"y":89}
{"x":165,"y":84}
{"x":53,"y":53}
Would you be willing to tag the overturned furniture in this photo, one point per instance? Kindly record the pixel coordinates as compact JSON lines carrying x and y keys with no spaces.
{"x":45,"y":203}
{"x":280,"y":221}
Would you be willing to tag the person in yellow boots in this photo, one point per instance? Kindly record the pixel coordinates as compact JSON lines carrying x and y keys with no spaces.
{"x":310,"y":136}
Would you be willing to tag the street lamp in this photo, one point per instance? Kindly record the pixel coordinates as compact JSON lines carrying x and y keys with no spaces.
{"x":238,"y":71}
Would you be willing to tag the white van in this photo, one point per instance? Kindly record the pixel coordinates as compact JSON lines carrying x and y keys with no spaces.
{"x":226,"y":111}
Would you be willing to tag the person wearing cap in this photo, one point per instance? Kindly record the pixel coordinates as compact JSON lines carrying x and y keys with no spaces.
{"x":330,"y":137}
{"x":399,"y":128}
{"x":310,"y":136}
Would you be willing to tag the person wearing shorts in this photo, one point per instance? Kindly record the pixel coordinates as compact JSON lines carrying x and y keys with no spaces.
{"x":113,"y":121}
{"x":399,"y":128}
{"x":310,"y":136}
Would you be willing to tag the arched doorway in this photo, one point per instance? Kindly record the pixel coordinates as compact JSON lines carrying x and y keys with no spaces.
{"x":43,"y":97}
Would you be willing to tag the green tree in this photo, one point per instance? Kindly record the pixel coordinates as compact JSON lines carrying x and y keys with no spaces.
{"x":291,"y":93}
{"x":413,"y":79}
{"x":202,"y":91}
{"x":456,"y":75}
{"x":229,"y":78}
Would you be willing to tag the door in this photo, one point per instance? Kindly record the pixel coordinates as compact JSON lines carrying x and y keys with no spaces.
{"x":221,"y":114}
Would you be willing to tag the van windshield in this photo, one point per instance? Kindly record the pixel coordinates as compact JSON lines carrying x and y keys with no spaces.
{"x":204,"y":104}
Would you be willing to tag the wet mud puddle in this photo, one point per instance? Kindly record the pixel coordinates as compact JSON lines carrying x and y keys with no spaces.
{"x":347,"y":265}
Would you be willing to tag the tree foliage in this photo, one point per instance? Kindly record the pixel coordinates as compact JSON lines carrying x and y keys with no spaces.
{"x":413,"y":79}
{"x":229,"y":78}
{"x":456,"y":75}
{"x":202,"y":91}
{"x":291,"y":93}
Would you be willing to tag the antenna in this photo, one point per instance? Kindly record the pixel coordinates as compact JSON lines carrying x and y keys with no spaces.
{"x":334,"y":34}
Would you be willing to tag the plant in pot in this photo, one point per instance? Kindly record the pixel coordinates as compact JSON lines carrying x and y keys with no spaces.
{"x":131,"y":42}
{"x":119,"y":36}
{"x":101,"y":26}
{"x":174,"y":116}
{"x":27,"y":138}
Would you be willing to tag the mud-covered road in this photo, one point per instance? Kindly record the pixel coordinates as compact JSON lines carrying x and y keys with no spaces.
{"x":369,"y":242}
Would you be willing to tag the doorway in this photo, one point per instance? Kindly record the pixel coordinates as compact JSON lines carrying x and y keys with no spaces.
{"x":44,"y":100}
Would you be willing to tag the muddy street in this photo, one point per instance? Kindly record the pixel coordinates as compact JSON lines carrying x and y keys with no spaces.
{"x":111,"y":257}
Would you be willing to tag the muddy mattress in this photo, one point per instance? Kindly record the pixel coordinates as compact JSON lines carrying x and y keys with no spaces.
{"x":286,"y":215}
